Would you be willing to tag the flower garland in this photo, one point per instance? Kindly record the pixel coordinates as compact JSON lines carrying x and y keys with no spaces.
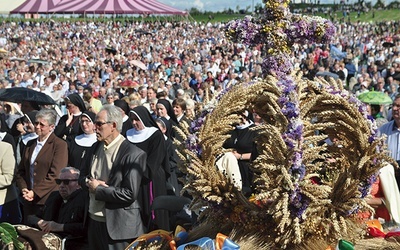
{"x":298,"y":193}
{"x":277,"y":30}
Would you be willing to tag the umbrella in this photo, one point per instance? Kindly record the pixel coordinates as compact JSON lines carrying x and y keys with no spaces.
{"x":143,"y":32}
{"x":38,"y":61}
{"x":375,"y":98}
{"x":138,"y":64}
{"x":327,"y":74}
{"x":19,"y":59}
{"x":111,"y":50}
{"x":24,"y":94}
{"x":128,"y":83}
{"x":388,"y":44}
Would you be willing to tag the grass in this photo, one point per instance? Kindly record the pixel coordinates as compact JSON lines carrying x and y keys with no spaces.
{"x":379,"y":16}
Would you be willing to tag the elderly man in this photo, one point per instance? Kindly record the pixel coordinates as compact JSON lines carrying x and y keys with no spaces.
{"x":65,"y":209}
{"x":113,"y":178}
{"x":392,"y":130}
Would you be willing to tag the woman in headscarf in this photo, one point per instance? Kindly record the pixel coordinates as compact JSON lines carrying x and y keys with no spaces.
{"x":165,"y":109}
{"x":244,"y":149}
{"x":172,"y":157}
{"x":147,"y":136}
{"x":68,"y":126}
{"x":127,"y":123}
{"x":79,"y":146}
{"x":27,"y":133}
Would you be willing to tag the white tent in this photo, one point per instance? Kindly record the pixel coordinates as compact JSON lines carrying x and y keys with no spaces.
{"x":8,"y":5}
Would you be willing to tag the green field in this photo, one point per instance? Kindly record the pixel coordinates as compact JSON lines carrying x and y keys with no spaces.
{"x":381,"y":15}
{"x":378,"y":16}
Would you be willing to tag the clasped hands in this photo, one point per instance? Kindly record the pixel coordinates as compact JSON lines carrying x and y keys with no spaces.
{"x":92,"y":184}
{"x":50,"y":226}
{"x":27,"y":194}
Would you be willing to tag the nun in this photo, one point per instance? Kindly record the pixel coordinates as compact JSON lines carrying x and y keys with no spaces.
{"x":165,"y":109}
{"x":79,"y":146}
{"x":68,"y":126}
{"x":146,"y":135}
{"x":126,"y":122}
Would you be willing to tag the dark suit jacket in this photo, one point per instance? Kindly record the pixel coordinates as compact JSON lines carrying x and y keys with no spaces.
{"x":71,"y":213}
{"x":47,"y":167}
{"x":123,"y":218}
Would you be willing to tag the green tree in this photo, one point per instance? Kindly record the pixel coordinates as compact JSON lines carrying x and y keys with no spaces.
{"x":379,"y":4}
{"x":194,"y":11}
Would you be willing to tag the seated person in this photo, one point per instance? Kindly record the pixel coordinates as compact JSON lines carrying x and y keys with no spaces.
{"x":65,"y":210}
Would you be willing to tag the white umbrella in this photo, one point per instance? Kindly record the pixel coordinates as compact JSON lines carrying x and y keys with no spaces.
{"x":138,"y":64}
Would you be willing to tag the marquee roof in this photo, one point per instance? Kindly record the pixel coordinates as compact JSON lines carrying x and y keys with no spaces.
{"x":114,"y":7}
{"x":35,"y":6}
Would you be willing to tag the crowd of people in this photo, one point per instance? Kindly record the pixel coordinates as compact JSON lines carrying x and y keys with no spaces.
{"x":121,"y":89}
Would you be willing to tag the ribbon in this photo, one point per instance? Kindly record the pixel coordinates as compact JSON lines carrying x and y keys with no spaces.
{"x":222,"y":242}
{"x":345,"y":245}
{"x":204,"y":243}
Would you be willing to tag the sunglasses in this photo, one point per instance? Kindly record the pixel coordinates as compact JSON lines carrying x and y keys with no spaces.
{"x":40,"y":124}
{"x":65,"y":181}
{"x":99,"y":124}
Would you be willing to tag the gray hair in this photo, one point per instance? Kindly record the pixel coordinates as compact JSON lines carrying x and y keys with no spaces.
{"x":113,"y":115}
{"x":49,"y":115}
{"x":71,"y":170}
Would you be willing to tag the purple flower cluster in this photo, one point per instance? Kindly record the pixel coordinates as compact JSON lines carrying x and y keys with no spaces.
{"x":245,"y":31}
{"x":192,"y":144}
{"x":280,"y":65}
{"x":309,"y":29}
{"x":365,"y":186}
{"x":293,"y":137}
{"x":298,"y":203}
{"x":195,"y":125}
{"x":298,"y":170}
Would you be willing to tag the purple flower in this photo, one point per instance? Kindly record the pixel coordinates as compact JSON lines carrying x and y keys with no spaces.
{"x":366,"y":185}
{"x":298,"y":203}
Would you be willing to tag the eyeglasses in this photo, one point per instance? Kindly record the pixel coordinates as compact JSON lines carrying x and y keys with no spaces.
{"x":99,"y":124}
{"x":65,"y":181}
{"x":40,"y":124}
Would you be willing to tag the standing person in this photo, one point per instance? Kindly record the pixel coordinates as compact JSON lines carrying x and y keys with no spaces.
{"x":78,"y":147}
{"x":165,"y":109}
{"x":93,"y":102}
{"x":172,"y":157}
{"x":179,"y":106}
{"x":9,"y":205}
{"x":390,"y":129}
{"x":68,"y":126}
{"x":113,"y":178}
{"x":41,"y":163}
{"x":126,"y":122}
{"x":27,"y":133}
{"x":147,"y":136}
